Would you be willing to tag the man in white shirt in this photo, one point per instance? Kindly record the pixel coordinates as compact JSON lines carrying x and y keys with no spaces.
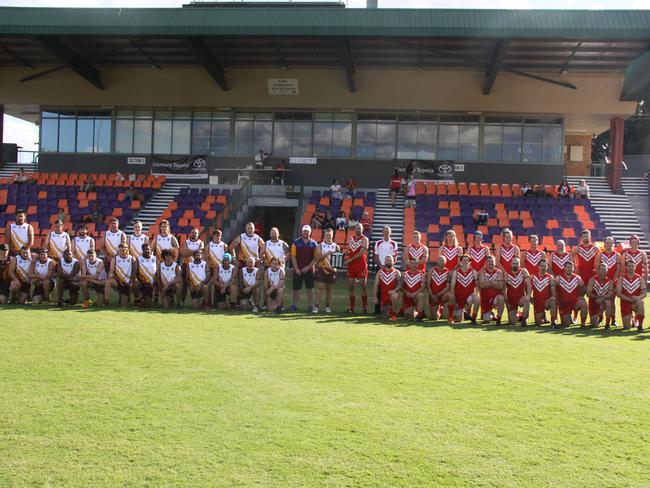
{"x":384,"y":248}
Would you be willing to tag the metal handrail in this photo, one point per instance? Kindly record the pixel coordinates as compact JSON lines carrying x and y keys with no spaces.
{"x":237,"y":200}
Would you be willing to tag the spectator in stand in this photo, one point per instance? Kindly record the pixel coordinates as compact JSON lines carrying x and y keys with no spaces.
{"x":410,"y":168}
{"x":564,"y":190}
{"x":278,"y":174}
{"x":365,"y":221}
{"x":260,"y":157}
{"x":526,"y":189}
{"x":410,"y":192}
{"x":20,"y":177}
{"x":61,"y":214}
{"x":88,"y":185}
{"x":131,"y":194}
{"x":480,"y":217}
{"x":351,"y":186}
{"x":582,"y":191}
{"x":95,"y":216}
{"x":352,"y":222}
{"x":341,"y":222}
{"x":336,"y":190}
{"x":329,"y":222}
{"x":541,"y":190}
{"x":395,"y":185}
{"x":316,"y":221}
{"x":119,"y":176}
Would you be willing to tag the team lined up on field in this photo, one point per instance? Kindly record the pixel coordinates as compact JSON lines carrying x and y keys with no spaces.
{"x":511,"y":280}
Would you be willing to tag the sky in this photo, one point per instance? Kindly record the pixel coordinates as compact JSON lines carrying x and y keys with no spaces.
{"x":26,"y":134}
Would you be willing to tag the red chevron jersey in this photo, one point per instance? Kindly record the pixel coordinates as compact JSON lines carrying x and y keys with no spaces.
{"x":387,"y":283}
{"x":412,"y":281}
{"x":478,"y":256}
{"x":631,"y":287}
{"x":438,"y":280}
{"x":569,"y":289}
{"x":541,"y":287}
{"x":452,"y":255}
{"x":489,"y":294}
{"x":611,"y":259}
{"x":416,"y":252}
{"x":637,"y":257}
{"x":465,"y":286}
{"x":601,"y":288}
{"x":507,"y":254}
{"x":516,"y":283}
{"x":532,"y":260}
{"x":586,"y":261}
{"x":355,"y":246}
{"x":558,"y":261}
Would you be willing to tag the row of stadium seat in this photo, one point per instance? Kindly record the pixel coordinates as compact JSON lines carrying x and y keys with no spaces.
{"x":100,"y":179}
{"x":482,"y":189}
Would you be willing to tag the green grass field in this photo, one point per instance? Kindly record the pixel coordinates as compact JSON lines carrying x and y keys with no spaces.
{"x":147,"y":398}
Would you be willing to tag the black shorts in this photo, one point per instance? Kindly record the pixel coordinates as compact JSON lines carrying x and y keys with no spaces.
{"x":196,"y":293}
{"x":298,"y":279}
{"x":4,"y":288}
{"x":97,"y":288}
{"x":220,"y":297}
{"x":245,"y":296}
{"x":170,"y":291}
{"x":70,"y":285}
{"x":25,"y":287}
{"x":146,"y":289}
{"x":123,"y":289}
{"x":274,"y":295}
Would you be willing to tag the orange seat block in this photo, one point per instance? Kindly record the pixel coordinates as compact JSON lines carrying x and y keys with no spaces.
{"x":492,"y":222}
{"x":568,"y":232}
{"x":516,"y":190}
{"x":513,"y":214}
{"x":420,"y":188}
{"x":441,"y":189}
{"x":454,"y":212}
{"x":317,"y":235}
{"x":433,"y":228}
{"x":195,"y":222}
{"x":495,"y":190}
{"x":117,"y":212}
{"x":452,"y":189}
{"x":339,"y":237}
{"x":552,"y":224}
{"x":135,"y":204}
{"x":183,"y":221}
{"x":444,"y":204}
{"x":431,"y":188}
{"x":444,"y":220}
{"x":463,"y":189}
{"x":189,"y":213}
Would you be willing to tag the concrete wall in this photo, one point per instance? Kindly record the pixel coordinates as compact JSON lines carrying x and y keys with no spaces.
{"x":637,"y":165}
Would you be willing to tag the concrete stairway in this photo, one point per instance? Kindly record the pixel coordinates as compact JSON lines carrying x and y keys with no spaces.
{"x":615,"y":210}
{"x":635,"y":186}
{"x":385,"y":214}
{"x":156,"y":205}
{"x":9,"y":169}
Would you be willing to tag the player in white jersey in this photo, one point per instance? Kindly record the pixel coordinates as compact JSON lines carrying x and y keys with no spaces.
{"x":113,"y":238}
{"x":216,"y":248}
{"x":18,"y":234}
{"x":93,"y":277}
{"x":191,"y":244}
{"x":250,"y":281}
{"x":121,"y":276}
{"x":57,"y":241}
{"x":276,"y":248}
{"x":164,"y":240}
{"x":137,"y":239}
{"x":41,"y":273}
{"x":274,"y":278}
{"x":82,"y":243}
{"x":68,"y":278}
{"x":170,"y":280}
{"x":19,"y":268}
{"x":224,"y":280}
{"x":145,"y":276}
{"x":248,"y":244}
{"x":5,"y":262}
{"x":198,"y":281}
{"x":325,"y":271}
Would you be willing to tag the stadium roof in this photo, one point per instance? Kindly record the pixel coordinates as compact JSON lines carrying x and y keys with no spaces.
{"x":524,"y":42}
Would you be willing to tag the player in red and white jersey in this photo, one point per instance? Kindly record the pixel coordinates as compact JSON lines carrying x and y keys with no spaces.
{"x":584,"y":255}
{"x":530,"y":258}
{"x":357,"y":262}
{"x":491,"y":284}
{"x":543,"y":294}
{"x":413,"y":290}
{"x":464,"y":297}
{"x":438,"y":288}
{"x":450,"y":250}
{"x":385,"y":247}
{"x":611,"y":258}
{"x":570,"y":290}
{"x":600,"y":291}
{"x":631,"y":290}
{"x":507,"y":251}
{"x":416,"y":251}
{"x":559,"y":258}
{"x":518,"y":290}
{"x":387,"y":286}
{"x":633,"y":253}
{"x":478,"y":252}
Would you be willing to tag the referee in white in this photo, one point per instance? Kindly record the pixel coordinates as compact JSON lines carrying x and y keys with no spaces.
{"x":385,"y":247}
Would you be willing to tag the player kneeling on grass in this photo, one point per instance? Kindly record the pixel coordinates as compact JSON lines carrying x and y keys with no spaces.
{"x":463,"y":287}
{"x":19,"y":269}
{"x":325,"y":272}
{"x":274,"y":286}
{"x":543,"y":294}
{"x":225,"y":284}
{"x":631,"y":290}
{"x":170,"y":280}
{"x":438,"y":288}
{"x":145,"y":276}
{"x":68,"y":278}
{"x":121,"y":276}
{"x":387,"y":289}
{"x":491,"y":283}
{"x":413,"y":281}
{"x":5,"y":262}
{"x":600,"y":291}
{"x":518,"y":291}
{"x":41,"y":274}
{"x":93,"y":277}
{"x":570,"y":292}
{"x":198,"y":281}
{"x":250,"y":284}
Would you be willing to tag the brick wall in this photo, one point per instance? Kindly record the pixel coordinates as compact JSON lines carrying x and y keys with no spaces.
{"x":577,"y":168}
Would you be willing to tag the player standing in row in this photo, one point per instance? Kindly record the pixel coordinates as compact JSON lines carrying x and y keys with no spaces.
{"x":165,"y":240}
{"x":518,"y":290}
{"x":248,"y":245}
{"x":414,"y":292}
{"x":325,"y":271}
{"x":416,"y":251}
{"x":276,"y":248}
{"x":18,"y":234}
{"x":198,"y":281}
{"x":438,"y":289}
{"x":507,"y":251}
{"x":387,"y":288}
{"x":357,"y":263}
{"x":531,"y":257}
{"x":491,"y":284}
{"x":478,"y":252}
{"x":5,"y":280}
{"x":450,"y":250}
{"x":640,"y":259}
{"x":113,"y":239}
{"x":585,"y":255}
{"x":137,"y":240}
{"x":82,"y":243}
{"x":303,"y":259}
{"x":216,"y":249}
{"x":463,"y":286}
{"x":274,"y":279}
{"x":559,"y":258}
{"x":190,"y":245}
{"x":57,"y":241}
{"x":631,"y":290}
{"x":543,"y":294}
{"x":600,"y":291}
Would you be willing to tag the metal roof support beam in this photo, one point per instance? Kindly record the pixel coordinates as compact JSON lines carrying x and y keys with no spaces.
{"x":636,"y":85}
{"x":348,"y":63}
{"x":205,"y":57}
{"x":73,"y":60}
{"x":494,"y":66}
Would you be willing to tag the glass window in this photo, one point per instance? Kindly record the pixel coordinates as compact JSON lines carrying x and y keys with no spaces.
{"x":552,"y":149}
{"x":385,"y":140}
{"x":332,"y":135}
{"x":201,"y":136}
{"x":376,"y":136}
{"x":162,"y":136}
{"x":366,"y":135}
{"x":341,"y":139}
{"x":301,"y":139}
{"x":407,"y":140}
{"x":468,"y":137}
{"x":220,"y":140}
{"x":512,"y":143}
{"x":492,"y":142}
{"x":181,"y":137}
{"x":124,"y":136}
{"x":49,"y":135}
{"x":448,"y":144}
{"x":142,"y":136}
{"x":262,"y":136}
{"x":67,"y":141}
{"x":244,"y":138}
{"x":85,"y":131}
{"x":103,"y":135}
{"x":532,"y":152}
{"x":427,"y":135}
{"x":282,"y":138}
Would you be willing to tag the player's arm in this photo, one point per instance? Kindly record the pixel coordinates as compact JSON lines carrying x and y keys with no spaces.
{"x":31,"y":273}
{"x":111,"y":270}
{"x":123,"y":238}
{"x":644,"y":261}
{"x":92,"y":245}
{"x":528,"y":284}
{"x":522,"y":260}
{"x":590,"y":288}
{"x":12,"y":269}
{"x":234,"y":246}
{"x":294,"y":262}
{"x":375,"y":287}
{"x":208,"y":275}
{"x":425,"y":255}
{"x":262,"y":248}
{"x":179,"y":275}
{"x":175,"y":247}
{"x":497,"y":258}
{"x":30,"y":236}
{"x":76,"y":270}
{"x":500,"y":282}
{"x":7,"y":235}
{"x":552,"y":286}
{"x":619,"y":292}
{"x":574,"y":254}
{"x":643,"y":291}
{"x":407,"y":258}
{"x":46,"y":242}
{"x":583,"y":287}
{"x":452,"y":283}
{"x":268,"y":288}
{"x":427,"y":283}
